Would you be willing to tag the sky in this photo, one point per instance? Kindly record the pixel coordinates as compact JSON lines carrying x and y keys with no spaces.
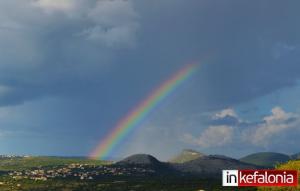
{"x":71,"y":69}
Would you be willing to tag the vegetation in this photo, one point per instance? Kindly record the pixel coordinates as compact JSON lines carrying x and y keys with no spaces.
{"x":116,"y":184}
{"x":19,"y":171}
{"x":109,"y":177}
{"x":24,"y":163}
{"x":290,"y":165}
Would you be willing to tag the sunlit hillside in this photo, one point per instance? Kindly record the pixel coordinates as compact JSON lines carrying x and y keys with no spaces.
{"x":290,"y":165}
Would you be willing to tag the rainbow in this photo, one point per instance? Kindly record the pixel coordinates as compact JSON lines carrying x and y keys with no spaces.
{"x":140,"y":112}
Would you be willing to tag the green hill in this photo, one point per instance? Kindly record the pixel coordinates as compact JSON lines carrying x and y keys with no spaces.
{"x":20,"y":163}
{"x":268,"y":159}
{"x":212,"y":165}
{"x":186,"y":155}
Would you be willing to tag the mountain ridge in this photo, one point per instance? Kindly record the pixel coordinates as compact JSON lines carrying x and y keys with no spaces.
{"x":269,"y":159}
{"x":206,"y":166}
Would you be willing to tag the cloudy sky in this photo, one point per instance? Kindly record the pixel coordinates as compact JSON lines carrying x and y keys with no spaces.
{"x":70,"y":69}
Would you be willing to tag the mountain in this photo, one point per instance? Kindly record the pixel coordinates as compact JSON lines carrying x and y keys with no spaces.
{"x":212,"y":165}
{"x":269,"y":159}
{"x":186,"y":155}
{"x":295,"y":156}
{"x":140,"y":159}
{"x":147,"y":165}
{"x":202,"y":165}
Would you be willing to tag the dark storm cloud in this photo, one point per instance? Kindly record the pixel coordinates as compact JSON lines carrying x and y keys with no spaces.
{"x":100,"y":58}
{"x":252,"y":46}
{"x":49,"y":48}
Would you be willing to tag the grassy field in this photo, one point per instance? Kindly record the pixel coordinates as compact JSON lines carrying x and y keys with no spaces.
{"x":290,"y":165}
{"x":23,"y":163}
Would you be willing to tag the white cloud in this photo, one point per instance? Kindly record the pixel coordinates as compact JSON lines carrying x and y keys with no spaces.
{"x":272,"y":125}
{"x":229,"y":112}
{"x":213,"y":136}
{"x":54,"y":5}
{"x":258,"y":134}
{"x":278,"y":115}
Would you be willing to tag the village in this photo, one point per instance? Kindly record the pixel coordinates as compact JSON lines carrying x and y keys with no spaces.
{"x":79,"y":171}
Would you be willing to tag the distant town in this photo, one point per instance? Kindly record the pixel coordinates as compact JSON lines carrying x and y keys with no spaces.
{"x":78,"y":171}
